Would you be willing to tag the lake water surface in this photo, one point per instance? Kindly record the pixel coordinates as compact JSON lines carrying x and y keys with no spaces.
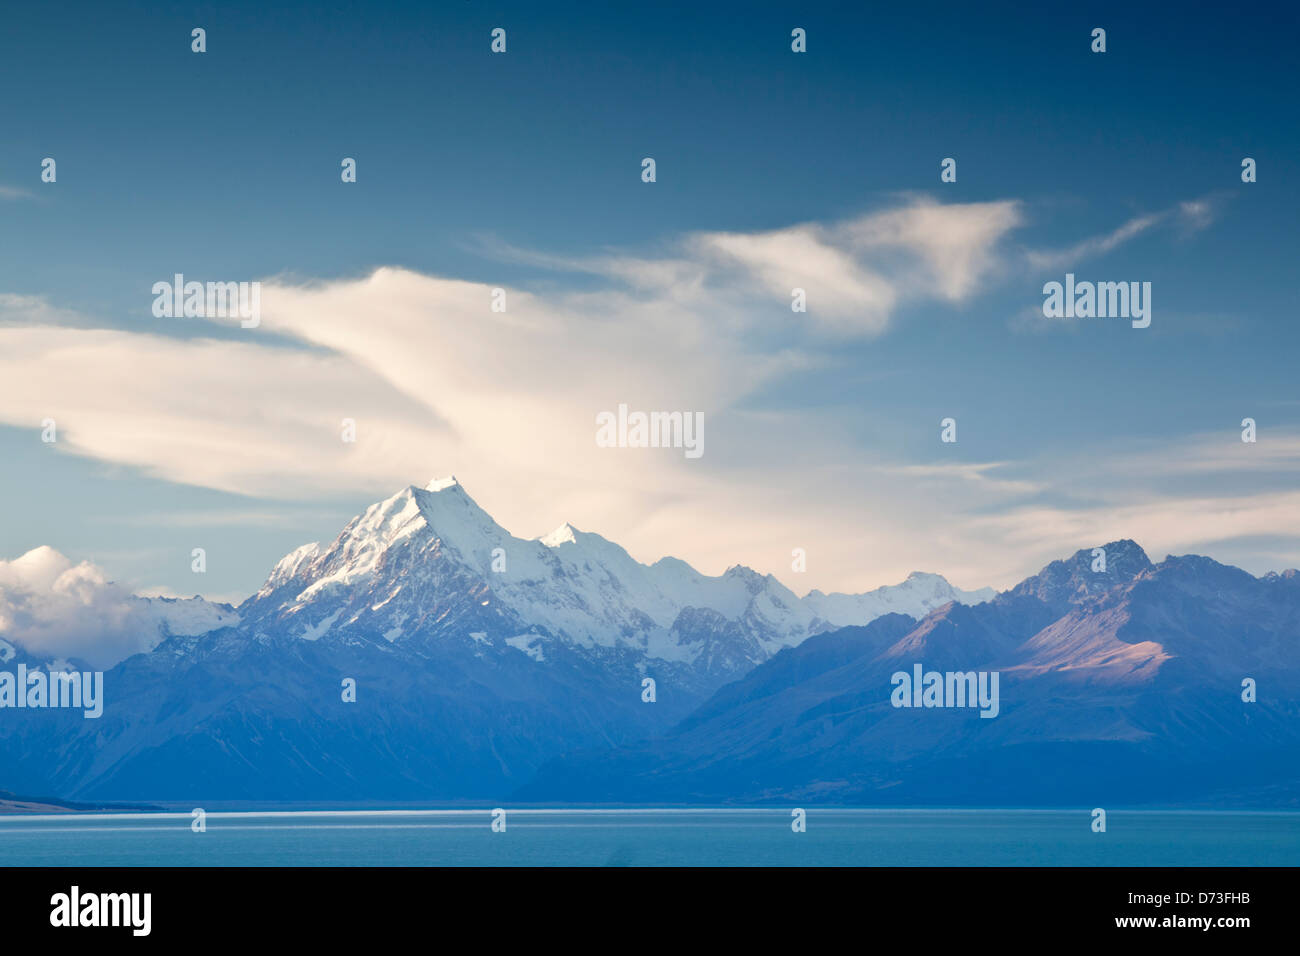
{"x":834,"y":837}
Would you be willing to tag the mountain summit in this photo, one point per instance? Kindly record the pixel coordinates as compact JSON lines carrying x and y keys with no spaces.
{"x":429,"y":563}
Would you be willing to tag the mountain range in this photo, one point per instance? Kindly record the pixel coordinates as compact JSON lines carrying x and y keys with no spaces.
{"x":1118,"y":686}
{"x":490,"y":667}
{"x":476,"y":656}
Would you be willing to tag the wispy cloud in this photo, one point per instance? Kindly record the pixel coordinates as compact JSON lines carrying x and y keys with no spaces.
{"x":856,"y":273}
{"x":1191,"y":216}
{"x":958,"y":243}
{"x":30,"y":310}
{"x":437,"y":382}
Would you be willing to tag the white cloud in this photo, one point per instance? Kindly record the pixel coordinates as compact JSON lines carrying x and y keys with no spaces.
{"x":957,"y":242}
{"x":856,"y":272}
{"x":439,"y":383}
{"x":26,"y":310}
{"x":228,"y":415}
{"x":1094,"y":246}
{"x":842,"y":292}
{"x":1192,"y":215}
{"x":55,"y":609}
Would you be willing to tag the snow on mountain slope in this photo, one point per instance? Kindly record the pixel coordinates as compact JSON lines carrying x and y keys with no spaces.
{"x":189,"y":617}
{"x":429,"y":561}
{"x":920,"y":594}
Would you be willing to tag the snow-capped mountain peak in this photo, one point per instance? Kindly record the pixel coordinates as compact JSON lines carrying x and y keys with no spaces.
{"x":430,"y":564}
{"x":564,"y":534}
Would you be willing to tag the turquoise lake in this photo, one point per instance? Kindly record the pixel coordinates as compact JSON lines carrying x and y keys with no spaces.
{"x":834,"y":837}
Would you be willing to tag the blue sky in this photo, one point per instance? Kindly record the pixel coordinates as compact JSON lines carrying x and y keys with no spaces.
{"x":522,"y":171}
